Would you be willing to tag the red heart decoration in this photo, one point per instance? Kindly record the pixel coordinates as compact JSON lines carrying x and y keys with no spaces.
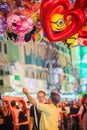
{"x":49,"y":7}
{"x":82,"y":4}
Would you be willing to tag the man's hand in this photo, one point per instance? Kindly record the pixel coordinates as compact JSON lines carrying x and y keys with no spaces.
{"x":25,"y":90}
{"x":30,"y":98}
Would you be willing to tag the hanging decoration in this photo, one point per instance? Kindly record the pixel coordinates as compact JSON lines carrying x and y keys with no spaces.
{"x":58,"y":23}
{"x":13,"y":36}
{"x":34,"y":6}
{"x":82,"y":4}
{"x":18,"y":3}
{"x":70,"y":17}
{"x":22,"y":24}
{"x":72,"y":41}
{"x":5,"y":8}
{"x":56,"y":19}
{"x":3,"y":24}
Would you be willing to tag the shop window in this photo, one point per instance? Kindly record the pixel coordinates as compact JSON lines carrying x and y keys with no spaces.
{"x":1,"y":72}
{"x":5,"y":48}
{"x":1,"y":82}
{"x":0,"y":46}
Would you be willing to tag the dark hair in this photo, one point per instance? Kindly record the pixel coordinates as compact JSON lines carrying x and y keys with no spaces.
{"x":28,"y":102}
{"x":1,"y":111}
{"x":55,"y":97}
{"x":13,"y":103}
{"x":83,"y":98}
{"x":7,"y":103}
{"x":41,"y":91}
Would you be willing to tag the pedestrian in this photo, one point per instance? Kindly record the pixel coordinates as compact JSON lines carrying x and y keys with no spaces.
{"x":35,"y":114}
{"x":49,"y":112}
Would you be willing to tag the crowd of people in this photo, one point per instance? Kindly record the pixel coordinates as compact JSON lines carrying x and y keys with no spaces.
{"x":43,"y":114}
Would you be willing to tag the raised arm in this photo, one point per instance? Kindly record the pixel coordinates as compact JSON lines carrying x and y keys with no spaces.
{"x":30,"y":98}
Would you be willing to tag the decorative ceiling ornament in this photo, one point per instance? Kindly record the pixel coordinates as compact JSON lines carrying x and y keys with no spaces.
{"x":70,"y":17}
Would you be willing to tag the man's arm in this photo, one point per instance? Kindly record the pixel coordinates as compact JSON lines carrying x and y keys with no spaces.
{"x":30,"y":98}
{"x":31,"y":123}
